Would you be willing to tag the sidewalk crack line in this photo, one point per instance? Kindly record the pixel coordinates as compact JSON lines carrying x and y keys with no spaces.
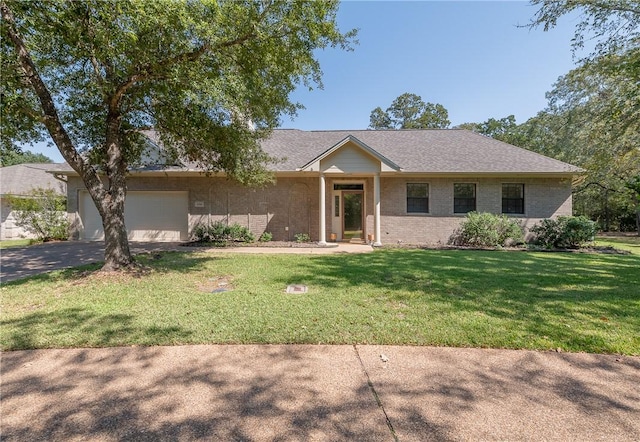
{"x":375,"y":395}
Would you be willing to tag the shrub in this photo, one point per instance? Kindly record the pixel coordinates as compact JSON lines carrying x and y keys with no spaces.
{"x":302,"y":237}
{"x":265,"y":237}
{"x":220,"y":233}
{"x":564,"y":232}
{"x":487,"y":230}
{"x":42,"y":213}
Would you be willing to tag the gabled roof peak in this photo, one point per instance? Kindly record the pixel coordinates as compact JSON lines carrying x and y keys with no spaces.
{"x":360,"y":144}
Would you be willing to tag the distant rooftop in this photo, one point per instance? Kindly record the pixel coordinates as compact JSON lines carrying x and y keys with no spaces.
{"x":22,"y":178}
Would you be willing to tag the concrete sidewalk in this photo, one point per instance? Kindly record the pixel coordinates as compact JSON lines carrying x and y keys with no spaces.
{"x":322,"y":393}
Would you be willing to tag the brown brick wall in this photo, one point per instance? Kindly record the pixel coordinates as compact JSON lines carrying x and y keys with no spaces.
{"x":291,"y":203}
{"x":290,"y":206}
{"x":544,"y":198}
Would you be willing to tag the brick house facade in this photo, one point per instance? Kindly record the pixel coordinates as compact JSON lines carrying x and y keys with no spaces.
{"x":383,"y":186}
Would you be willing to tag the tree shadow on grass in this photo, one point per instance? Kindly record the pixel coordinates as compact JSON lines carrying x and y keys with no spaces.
{"x":160,"y":261}
{"x":544,"y":296}
{"x":82,"y":328}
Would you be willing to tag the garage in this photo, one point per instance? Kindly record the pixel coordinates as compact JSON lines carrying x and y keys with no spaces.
{"x":149,"y":216}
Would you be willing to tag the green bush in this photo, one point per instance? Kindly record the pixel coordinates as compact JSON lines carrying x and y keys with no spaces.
{"x":220,"y":233}
{"x":42,"y":213}
{"x":487,"y":230}
{"x":302,"y":237}
{"x":564,"y":232}
{"x":266,"y":237}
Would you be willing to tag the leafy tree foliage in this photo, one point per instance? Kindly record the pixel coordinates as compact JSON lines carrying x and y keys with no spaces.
{"x":634,"y":186}
{"x":614,"y":25}
{"x":503,"y":129}
{"x":43,"y":213}
{"x":212,"y":78}
{"x":593,"y":118}
{"x":408,"y":111}
{"x":12,"y":157}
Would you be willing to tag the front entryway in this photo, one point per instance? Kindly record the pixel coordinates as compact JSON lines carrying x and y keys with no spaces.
{"x":348,"y":222}
{"x":352,"y":217}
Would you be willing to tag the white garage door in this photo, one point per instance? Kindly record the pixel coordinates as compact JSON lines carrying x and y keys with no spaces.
{"x":149,"y":216}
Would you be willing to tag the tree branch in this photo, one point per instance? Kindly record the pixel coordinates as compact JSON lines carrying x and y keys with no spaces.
{"x":593,"y":183}
{"x":50,"y":119}
{"x":155,"y":70}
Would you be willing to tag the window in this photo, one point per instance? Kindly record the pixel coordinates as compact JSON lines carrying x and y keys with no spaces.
{"x":339,"y":186}
{"x":513,"y":198}
{"x":336,"y":205}
{"x":464,"y":197}
{"x":417,"y":198}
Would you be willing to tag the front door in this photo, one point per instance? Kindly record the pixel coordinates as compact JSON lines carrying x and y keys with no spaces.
{"x":352,"y":219}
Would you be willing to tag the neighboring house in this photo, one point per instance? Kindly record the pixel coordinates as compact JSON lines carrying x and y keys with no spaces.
{"x":384,"y":186}
{"x":19,"y":180}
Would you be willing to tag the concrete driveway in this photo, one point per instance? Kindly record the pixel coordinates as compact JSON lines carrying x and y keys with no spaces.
{"x":21,"y":262}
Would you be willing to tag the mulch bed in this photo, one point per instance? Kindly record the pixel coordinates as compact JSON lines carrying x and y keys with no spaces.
{"x":285,"y":244}
{"x":266,"y":245}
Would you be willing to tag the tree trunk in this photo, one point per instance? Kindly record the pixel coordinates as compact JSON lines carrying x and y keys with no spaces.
{"x":109,"y":202}
{"x":117,"y":254}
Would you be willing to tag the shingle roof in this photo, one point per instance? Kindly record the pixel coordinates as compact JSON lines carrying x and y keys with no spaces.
{"x":433,"y":151}
{"x":21,"y":178}
{"x":428,"y":151}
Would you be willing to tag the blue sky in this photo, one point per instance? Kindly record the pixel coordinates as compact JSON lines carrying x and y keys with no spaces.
{"x":471,"y":57}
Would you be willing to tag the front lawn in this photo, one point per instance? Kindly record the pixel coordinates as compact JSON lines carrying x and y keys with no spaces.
{"x":622,"y":242}
{"x":535,"y":300}
{"x":8,"y":243}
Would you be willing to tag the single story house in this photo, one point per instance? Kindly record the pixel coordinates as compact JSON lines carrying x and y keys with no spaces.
{"x":19,"y":180}
{"x":384,"y":186}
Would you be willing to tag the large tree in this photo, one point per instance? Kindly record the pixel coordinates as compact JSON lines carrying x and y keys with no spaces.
{"x":612,"y":28}
{"x":587,"y":123}
{"x":409,"y":111}
{"x":211,"y":77}
{"x":593,"y":118}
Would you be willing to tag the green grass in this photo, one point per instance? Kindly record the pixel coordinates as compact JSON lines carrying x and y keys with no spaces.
{"x":534,"y":300}
{"x":628,"y":243}
{"x":8,"y":243}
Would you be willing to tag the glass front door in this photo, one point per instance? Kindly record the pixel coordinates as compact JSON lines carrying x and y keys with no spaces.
{"x":352,"y":216}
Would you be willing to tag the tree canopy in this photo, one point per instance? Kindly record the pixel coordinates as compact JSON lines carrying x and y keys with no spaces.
{"x":593,"y":117}
{"x":501,"y":129}
{"x":409,"y":111}
{"x":212,"y":78}
{"x":613,"y":25}
{"x":13,"y":157}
